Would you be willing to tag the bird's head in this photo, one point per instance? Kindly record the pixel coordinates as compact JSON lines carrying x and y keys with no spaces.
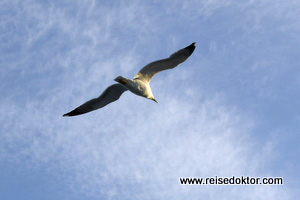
{"x":121,"y":80}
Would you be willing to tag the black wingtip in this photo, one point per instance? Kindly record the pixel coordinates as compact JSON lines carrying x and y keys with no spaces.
{"x":67,"y":115}
{"x":191,"y":47}
{"x":72,"y":113}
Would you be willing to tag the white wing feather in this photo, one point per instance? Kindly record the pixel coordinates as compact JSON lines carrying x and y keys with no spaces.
{"x":147,"y":72}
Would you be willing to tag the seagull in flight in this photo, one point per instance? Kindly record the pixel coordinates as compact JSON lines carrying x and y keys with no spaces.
{"x":139,"y":85}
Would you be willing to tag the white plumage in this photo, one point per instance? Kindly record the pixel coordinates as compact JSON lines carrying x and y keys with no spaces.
{"x":139,"y":85}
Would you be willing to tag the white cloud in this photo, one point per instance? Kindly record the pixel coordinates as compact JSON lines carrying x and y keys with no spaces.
{"x":133,"y":148}
{"x":130,"y":149}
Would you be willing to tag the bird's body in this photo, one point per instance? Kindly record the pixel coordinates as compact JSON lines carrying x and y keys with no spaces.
{"x":139,"y":85}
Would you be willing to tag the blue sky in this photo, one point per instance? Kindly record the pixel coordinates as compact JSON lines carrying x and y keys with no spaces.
{"x":231,"y":109}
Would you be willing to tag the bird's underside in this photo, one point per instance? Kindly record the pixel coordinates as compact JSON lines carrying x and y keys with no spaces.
{"x":138,"y":85}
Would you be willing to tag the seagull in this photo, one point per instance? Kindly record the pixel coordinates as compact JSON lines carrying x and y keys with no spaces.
{"x":139,"y":85}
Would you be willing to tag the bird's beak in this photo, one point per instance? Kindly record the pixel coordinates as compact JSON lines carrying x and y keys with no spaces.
{"x":154,"y":100}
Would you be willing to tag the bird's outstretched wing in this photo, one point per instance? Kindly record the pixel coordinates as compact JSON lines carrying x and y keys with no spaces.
{"x":147,"y":72}
{"x":111,"y":94}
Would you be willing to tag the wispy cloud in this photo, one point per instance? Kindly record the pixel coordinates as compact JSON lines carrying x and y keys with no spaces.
{"x":143,"y":152}
{"x":57,"y":55}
